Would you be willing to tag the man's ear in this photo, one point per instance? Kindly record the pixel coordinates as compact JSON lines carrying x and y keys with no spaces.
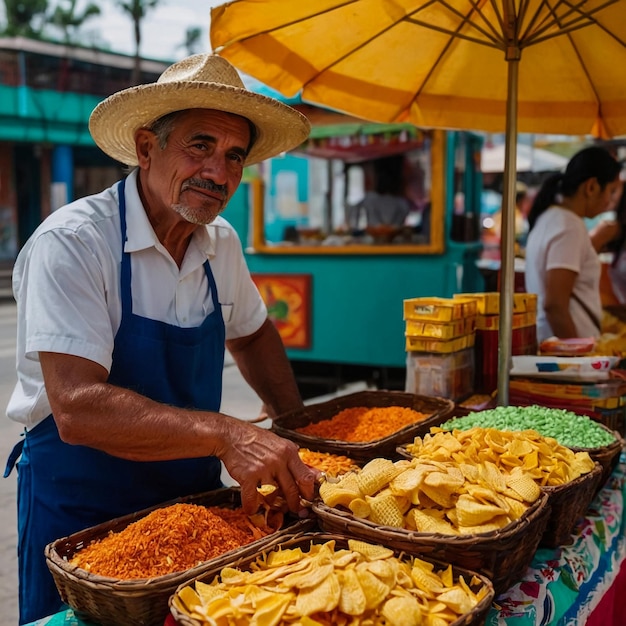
{"x":145,"y":140}
{"x":591,"y":186}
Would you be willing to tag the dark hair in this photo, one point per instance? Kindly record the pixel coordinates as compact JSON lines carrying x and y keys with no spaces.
{"x":592,"y":162}
{"x":389,"y":174}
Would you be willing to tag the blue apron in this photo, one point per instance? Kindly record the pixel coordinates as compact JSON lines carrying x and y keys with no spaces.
{"x":65,"y":488}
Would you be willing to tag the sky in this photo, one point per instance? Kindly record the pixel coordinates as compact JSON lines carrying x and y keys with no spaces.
{"x":163,"y":29}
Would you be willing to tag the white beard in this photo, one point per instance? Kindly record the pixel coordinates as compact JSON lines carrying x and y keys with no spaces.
{"x":195,"y":216}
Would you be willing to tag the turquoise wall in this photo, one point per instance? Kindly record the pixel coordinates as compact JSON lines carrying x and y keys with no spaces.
{"x":44,"y":116}
{"x":357,"y":300}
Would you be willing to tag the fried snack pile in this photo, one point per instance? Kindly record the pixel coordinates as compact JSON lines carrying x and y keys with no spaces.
{"x":170,"y":539}
{"x":543,"y":458}
{"x":363,"y":424}
{"x":612,"y":341}
{"x":364,"y":584}
{"x":427,"y":496}
{"x":332,"y":464}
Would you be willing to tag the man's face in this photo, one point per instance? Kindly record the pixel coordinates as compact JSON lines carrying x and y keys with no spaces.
{"x":201,"y":166}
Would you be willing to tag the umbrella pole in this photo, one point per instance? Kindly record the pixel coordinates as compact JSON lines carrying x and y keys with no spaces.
{"x":507,"y":238}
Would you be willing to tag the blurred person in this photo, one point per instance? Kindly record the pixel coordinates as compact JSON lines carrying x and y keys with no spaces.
{"x":492,"y":232}
{"x":562,"y":266}
{"x":384,"y":202}
{"x":126,"y":301}
{"x":609,"y":236}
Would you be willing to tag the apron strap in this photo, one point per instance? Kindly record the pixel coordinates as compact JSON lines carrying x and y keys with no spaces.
{"x":14,"y":456}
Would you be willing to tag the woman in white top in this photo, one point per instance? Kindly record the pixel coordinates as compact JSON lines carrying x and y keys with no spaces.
{"x":562,"y":266}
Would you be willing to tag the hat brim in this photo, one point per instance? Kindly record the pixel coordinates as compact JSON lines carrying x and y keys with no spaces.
{"x":114,"y":121}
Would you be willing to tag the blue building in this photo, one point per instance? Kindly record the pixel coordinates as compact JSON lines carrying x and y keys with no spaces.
{"x":47,"y":156}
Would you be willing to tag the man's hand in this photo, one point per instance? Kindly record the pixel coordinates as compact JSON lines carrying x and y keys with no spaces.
{"x":254,"y":456}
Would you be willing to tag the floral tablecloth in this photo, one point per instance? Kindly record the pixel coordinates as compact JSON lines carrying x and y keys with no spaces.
{"x":565,"y":584}
{"x":562,"y":587}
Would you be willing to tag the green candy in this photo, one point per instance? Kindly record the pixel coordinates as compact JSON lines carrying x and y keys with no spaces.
{"x":568,"y":428}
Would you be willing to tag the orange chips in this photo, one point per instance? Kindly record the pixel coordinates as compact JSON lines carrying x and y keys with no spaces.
{"x":170,"y":539}
{"x":361,"y":424}
{"x":332,"y":464}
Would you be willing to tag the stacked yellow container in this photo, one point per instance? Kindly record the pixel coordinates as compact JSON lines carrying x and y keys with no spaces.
{"x":488,"y":320}
{"x":440,"y":339}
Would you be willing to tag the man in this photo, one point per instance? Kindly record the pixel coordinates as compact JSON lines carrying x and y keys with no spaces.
{"x":126,"y":301}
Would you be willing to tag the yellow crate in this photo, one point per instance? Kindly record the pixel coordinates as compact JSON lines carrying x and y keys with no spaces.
{"x":440,"y":330}
{"x":439,"y":309}
{"x":492,"y":322}
{"x":488,"y":303}
{"x":424,"y":344}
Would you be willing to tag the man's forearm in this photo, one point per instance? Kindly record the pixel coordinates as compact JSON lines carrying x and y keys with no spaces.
{"x":262,"y":360}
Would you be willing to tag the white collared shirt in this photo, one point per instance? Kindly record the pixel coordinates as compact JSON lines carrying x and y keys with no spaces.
{"x":66,"y":281}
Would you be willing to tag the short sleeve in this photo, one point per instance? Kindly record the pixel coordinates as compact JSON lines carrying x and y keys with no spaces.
{"x":65,"y":304}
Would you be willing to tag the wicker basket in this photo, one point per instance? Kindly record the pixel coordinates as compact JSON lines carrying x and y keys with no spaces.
{"x":439,"y":410}
{"x":501,"y":555}
{"x":476,"y":617}
{"x":114,"y":602}
{"x":613,"y":419}
{"x":606,"y":456}
{"x":568,"y":503}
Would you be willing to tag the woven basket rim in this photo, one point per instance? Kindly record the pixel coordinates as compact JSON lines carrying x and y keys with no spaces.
{"x":446,"y":407}
{"x":461,"y":541}
{"x":297,"y":539}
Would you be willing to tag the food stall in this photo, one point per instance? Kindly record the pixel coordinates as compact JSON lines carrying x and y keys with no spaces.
{"x":573,"y":584}
{"x":334,"y":289}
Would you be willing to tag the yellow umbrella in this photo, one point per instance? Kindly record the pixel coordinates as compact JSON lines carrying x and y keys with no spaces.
{"x":543,"y":66}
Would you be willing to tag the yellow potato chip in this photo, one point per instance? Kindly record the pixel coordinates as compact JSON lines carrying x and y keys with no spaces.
{"x":374,"y":589}
{"x":457,"y":600}
{"x":402,"y":611}
{"x":187,"y":600}
{"x":524,"y":485}
{"x":360,"y":508}
{"x":311,"y":576}
{"x":470,"y":512}
{"x":320,"y":599}
{"x":429,"y":524}
{"x":369,"y":550}
{"x":385,"y":511}
{"x":424,"y":579}
{"x":407,"y":481}
{"x":439,"y":495}
{"x":283,"y":557}
{"x":352,"y":600}
{"x":269,"y":610}
{"x":266,"y":490}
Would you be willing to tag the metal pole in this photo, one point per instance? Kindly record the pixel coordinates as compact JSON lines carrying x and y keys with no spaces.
{"x":507,"y":240}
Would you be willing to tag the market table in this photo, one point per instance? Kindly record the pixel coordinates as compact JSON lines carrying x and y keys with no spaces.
{"x":581,"y":583}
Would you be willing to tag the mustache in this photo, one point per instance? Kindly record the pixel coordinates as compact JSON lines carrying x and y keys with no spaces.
{"x":206,"y":184}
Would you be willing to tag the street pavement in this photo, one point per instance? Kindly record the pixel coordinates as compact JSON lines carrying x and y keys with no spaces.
{"x":238,"y":400}
{"x":9,"y":435}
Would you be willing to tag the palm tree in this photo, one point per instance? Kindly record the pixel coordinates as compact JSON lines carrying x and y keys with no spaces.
{"x":193,"y":34}
{"x":69,"y":20}
{"x":137,"y":10}
{"x":22,"y":17}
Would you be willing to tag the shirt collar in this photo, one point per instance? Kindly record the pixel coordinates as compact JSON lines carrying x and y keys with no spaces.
{"x":140,"y":234}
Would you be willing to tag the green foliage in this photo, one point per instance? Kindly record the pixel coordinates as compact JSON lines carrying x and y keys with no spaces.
{"x":25,"y":18}
{"x":137,"y":9}
{"x":193,"y":34}
{"x":66,"y":17}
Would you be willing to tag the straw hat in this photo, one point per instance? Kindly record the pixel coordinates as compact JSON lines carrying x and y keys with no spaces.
{"x":201,"y":81}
